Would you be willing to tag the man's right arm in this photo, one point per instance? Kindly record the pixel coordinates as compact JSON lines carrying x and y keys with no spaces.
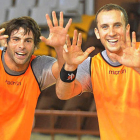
{"x":66,"y":85}
{"x":67,"y":90}
{"x":81,"y":84}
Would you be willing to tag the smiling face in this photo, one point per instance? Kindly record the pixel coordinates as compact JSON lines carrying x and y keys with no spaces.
{"x":19,"y":50}
{"x":111,"y":30}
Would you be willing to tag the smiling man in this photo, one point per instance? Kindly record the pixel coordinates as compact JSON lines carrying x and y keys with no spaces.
{"x":111,"y":28}
{"x":112,"y":75}
{"x":23,"y":76}
{"x":20,"y":49}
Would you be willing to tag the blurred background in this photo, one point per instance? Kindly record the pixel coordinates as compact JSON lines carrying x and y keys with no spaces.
{"x":74,"y":119}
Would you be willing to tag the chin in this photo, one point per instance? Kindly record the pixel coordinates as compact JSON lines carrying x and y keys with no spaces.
{"x":114,"y":49}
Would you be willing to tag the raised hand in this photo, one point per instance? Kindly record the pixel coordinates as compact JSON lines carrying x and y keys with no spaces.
{"x":57,"y":36}
{"x":73,"y":54}
{"x":3,"y":38}
{"x":130,"y":55}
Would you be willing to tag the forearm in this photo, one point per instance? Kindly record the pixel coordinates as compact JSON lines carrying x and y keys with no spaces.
{"x":66,"y":85}
{"x":60,"y":59}
{"x":59,"y":63}
{"x":66,"y":91}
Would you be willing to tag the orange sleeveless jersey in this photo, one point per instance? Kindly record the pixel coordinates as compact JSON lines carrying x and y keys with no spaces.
{"x":117,"y":96}
{"x":18,"y":98}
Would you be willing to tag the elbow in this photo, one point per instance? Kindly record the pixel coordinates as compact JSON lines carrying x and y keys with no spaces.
{"x":62,"y":95}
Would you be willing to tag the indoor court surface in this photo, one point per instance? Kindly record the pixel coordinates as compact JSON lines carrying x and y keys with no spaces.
{"x":37,"y":136}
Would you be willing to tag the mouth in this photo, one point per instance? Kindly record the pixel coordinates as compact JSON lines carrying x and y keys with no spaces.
{"x":112,"y":41}
{"x":20,"y":55}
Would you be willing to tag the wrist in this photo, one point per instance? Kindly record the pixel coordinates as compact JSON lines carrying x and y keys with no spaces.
{"x":67,"y":76}
{"x":68,"y":67}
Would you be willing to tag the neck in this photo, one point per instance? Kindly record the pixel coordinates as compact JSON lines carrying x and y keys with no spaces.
{"x":112,"y":58}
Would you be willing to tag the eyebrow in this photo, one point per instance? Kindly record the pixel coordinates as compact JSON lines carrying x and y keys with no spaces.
{"x":29,"y":38}
{"x":118,"y":23}
{"x":19,"y":37}
{"x":108,"y":24}
{"x":103,"y":24}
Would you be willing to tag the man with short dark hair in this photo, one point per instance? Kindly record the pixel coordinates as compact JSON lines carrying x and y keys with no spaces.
{"x":23,"y":76}
{"x":112,"y":75}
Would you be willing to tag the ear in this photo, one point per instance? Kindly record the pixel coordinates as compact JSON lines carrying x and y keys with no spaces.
{"x":97,"y":33}
{"x":128,"y":27}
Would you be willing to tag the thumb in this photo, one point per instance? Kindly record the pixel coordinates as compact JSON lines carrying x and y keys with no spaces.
{"x":115,"y":56}
{"x":43,"y":39}
{"x":88,"y":51}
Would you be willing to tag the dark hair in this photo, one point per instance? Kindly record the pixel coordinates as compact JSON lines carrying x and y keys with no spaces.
{"x":3,"y":25}
{"x":109,"y":7}
{"x":28,"y":24}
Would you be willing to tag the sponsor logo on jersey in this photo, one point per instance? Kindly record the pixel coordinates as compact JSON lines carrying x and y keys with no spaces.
{"x":13,"y":83}
{"x":117,"y":72}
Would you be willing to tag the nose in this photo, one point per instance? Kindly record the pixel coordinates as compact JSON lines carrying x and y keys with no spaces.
{"x":112,"y":31}
{"x":21,"y":44}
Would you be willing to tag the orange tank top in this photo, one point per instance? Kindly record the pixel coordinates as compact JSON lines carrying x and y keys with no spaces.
{"x":117,"y":96}
{"x":18,"y":99}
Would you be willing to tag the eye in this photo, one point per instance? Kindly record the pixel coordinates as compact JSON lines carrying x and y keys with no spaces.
{"x":15,"y":39}
{"x":29,"y":41}
{"x":117,"y":25}
{"x":104,"y":27}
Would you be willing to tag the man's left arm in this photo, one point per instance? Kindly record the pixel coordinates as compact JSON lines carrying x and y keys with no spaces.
{"x":57,"y":39}
{"x":130,"y":55}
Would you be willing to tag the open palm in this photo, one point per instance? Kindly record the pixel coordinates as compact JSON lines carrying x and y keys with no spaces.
{"x":73,"y":54}
{"x":130,"y":55}
{"x":57,"y":36}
